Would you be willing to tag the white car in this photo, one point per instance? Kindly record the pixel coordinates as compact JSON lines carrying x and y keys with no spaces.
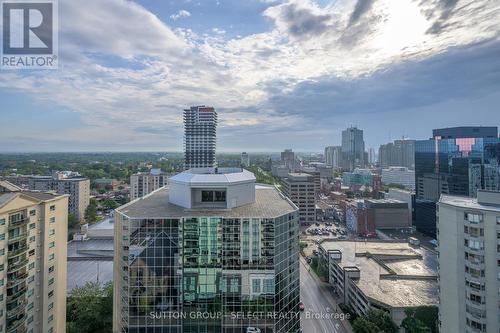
{"x":253,"y":330}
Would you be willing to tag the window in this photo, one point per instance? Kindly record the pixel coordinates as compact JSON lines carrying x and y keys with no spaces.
{"x":2,"y":252}
{"x":256,"y":286}
{"x":473,"y":218}
{"x":1,"y":282}
{"x":51,"y":305}
{"x":234,"y":285}
{"x":51,"y":293}
{"x":498,"y":220}
{"x":31,"y":265}
{"x":2,"y":221}
{"x":2,"y":236}
{"x":1,"y":267}
{"x":32,"y":225}
{"x":51,"y":317}
{"x":52,"y":208}
{"x":268,"y":286}
{"x":213,"y":196}
{"x":51,"y":281}
{"x":31,"y":292}
{"x":31,"y":279}
{"x":31,"y":252}
{"x":32,"y":239}
{"x":52,"y":220}
{"x":52,"y":232}
{"x":52,"y":244}
{"x":51,"y":256}
{"x":32,"y":212}
{"x":30,"y":320}
{"x":31,"y":306}
{"x":51,"y":269}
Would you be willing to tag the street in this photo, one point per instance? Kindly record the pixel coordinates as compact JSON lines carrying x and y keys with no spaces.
{"x":318,"y":300}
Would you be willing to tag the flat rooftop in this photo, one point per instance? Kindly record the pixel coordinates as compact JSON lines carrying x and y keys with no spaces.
{"x":269,"y":203}
{"x":392,"y":273}
{"x":213,"y":176}
{"x":467,"y":202}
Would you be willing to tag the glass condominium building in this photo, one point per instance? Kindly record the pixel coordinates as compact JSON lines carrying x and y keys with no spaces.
{"x":212,"y":252}
{"x":457,"y":161}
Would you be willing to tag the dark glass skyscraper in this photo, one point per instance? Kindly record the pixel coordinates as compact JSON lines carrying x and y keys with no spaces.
{"x":453,"y":163}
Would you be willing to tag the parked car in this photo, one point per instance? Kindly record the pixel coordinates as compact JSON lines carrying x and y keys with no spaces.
{"x":252,"y":329}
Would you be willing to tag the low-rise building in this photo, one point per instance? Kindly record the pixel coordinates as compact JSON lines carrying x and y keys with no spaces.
{"x":387,"y":275}
{"x":106,"y":184}
{"x":399,"y":175}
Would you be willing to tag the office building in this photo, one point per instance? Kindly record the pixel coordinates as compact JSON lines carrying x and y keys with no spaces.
{"x":33,"y":234}
{"x":398,"y":153}
{"x":200,"y":137}
{"x":288,"y":160}
{"x":61,"y":182}
{"x":468,"y":238}
{"x":333,"y":156}
{"x":455,"y":165}
{"x":400,"y":176}
{"x":301,"y":189}
{"x":387,"y":275}
{"x":353,"y":149}
{"x":372,"y":158}
{"x":245,"y":159}
{"x":212,"y":243}
{"x":143,"y":183}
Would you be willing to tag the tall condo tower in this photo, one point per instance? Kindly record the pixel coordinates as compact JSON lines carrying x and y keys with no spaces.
{"x":200,"y":126}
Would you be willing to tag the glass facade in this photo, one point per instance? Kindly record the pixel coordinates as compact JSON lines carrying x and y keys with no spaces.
{"x":450,"y":166}
{"x":209,"y":274}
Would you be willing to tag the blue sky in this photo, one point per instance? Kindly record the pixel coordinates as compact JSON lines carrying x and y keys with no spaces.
{"x":290,"y":73}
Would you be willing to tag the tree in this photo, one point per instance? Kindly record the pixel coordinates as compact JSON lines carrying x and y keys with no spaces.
{"x":421,"y":319}
{"x":375,"y":321}
{"x":110,"y":204}
{"x":72,"y":221}
{"x":90,"y":309}
{"x":91,"y":212}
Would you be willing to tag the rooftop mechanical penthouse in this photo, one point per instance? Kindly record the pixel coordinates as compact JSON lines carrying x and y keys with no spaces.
{"x":196,"y":255}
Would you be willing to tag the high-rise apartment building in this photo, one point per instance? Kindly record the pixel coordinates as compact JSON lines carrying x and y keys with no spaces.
{"x":353,"y":149}
{"x":33,"y":235}
{"x":453,"y":165}
{"x":61,"y":182}
{"x":301,"y":189}
{"x":333,"y":156}
{"x":397,"y":153}
{"x":200,"y":137}
{"x":245,"y":159}
{"x":469,"y":250}
{"x":213,"y":244}
{"x":143,"y":183}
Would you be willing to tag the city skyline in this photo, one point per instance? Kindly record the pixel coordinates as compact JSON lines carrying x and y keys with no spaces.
{"x":280,"y":73}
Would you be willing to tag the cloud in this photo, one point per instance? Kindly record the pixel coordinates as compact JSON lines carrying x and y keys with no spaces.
{"x":179,"y":14}
{"x":129,"y":75}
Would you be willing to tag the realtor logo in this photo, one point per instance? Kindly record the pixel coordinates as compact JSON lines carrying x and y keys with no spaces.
{"x":29,"y":34}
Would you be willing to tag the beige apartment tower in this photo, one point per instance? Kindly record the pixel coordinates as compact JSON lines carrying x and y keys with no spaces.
{"x":143,"y":183}
{"x":33,"y":232}
{"x":469,"y":262}
{"x":301,"y":189}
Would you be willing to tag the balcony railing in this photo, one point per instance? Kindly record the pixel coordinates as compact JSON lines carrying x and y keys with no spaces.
{"x":18,"y":251}
{"x":17,"y":294}
{"x":17,"y":265}
{"x":13,"y":327}
{"x":19,"y":237}
{"x":18,"y":223}
{"x":12,"y":282}
{"x":17,"y":310}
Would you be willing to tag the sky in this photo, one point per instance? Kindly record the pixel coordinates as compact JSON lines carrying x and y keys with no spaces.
{"x":281,"y":74}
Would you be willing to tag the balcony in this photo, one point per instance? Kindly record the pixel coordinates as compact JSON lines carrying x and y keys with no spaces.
{"x":17,"y":265}
{"x":22,"y":236}
{"x":15,"y":325}
{"x":18,"y":223}
{"x":17,"y":294}
{"x":17,"y":310}
{"x":20,"y":278}
{"x":18,"y":251}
